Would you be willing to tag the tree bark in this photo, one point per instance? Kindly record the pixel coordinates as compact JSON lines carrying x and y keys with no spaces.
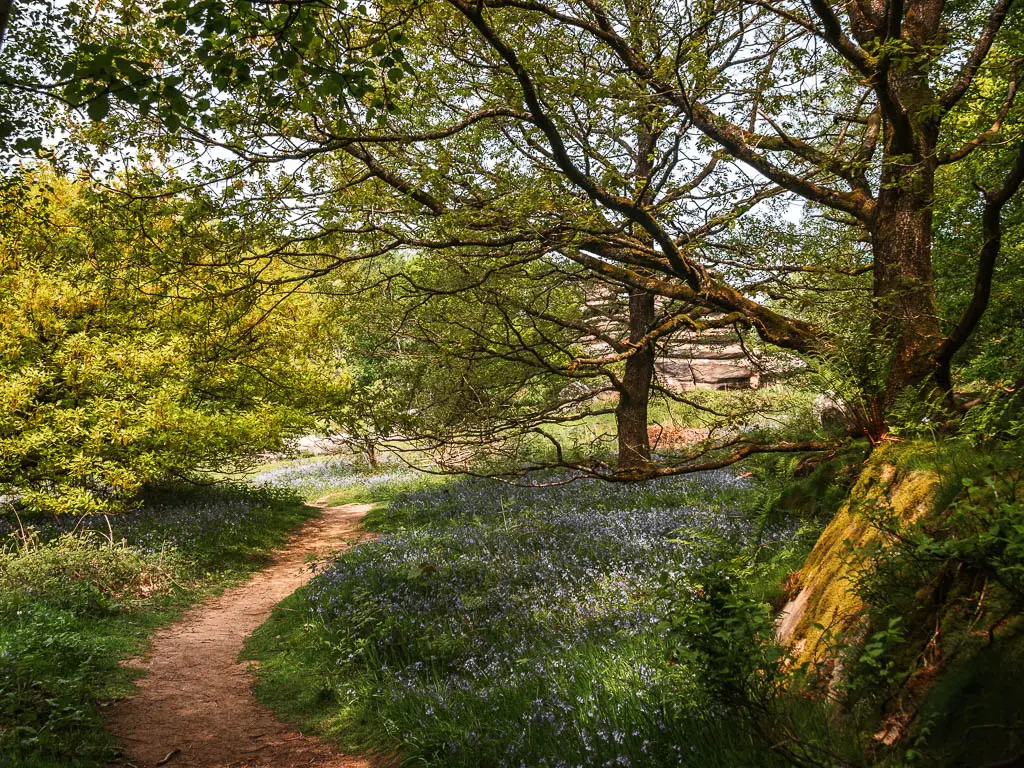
{"x":906,"y":326}
{"x":905,"y":323}
{"x":635,"y":386}
{"x":6,"y":7}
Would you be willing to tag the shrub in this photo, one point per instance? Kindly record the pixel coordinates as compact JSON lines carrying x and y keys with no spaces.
{"x":82,"y":571}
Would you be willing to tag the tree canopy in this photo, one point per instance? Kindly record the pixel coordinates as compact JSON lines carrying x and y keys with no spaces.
{"x":833,"y":182}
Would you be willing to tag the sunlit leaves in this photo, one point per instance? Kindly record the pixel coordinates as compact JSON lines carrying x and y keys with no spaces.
{"x":195,"y":63}
{"x":120,"y":366}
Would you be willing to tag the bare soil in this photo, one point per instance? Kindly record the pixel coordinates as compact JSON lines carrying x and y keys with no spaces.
{"x":670,"y":437}
{"x":195,"y":706}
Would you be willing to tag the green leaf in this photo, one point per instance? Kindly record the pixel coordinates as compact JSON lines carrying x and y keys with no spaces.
{"x":98,"y":107}
{"x":29,"y":144}
{"x":129,"y":95}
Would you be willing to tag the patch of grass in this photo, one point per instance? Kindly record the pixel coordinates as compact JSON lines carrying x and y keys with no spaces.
{"x":705,"y":412}
{"x":336,"y":480}
{"x":78,"y":595}
{"x":493,"y":625}
{"x":383,"y":489}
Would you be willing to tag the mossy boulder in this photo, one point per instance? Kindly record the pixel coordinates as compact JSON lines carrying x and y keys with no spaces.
{"x":826,"y":607}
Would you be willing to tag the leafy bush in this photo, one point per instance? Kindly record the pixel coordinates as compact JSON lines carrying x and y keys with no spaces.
{"x":50,"y":668}
{"x":114,"y":375}
{"x":60,"y":601}
{"x":81,"y":571}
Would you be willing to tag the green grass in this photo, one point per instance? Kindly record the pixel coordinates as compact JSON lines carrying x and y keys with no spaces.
{"x":723,"y":412}
{"x":293,"y":682}
{"x":383,"y":494}
{"x":457,"y":639}
{"x":73,"y":604}
{"x":336,"y":480}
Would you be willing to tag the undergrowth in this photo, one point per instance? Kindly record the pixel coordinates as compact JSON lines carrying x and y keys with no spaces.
{"x":590,"y":625}
{"x":336,"y":480}
{"x":78,"y":595}
{"x":945,"y":617}
{"x":928,"y":671}
{"x":493,"y":625}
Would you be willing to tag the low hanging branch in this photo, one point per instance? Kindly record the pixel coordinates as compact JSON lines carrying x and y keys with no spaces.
{"x":707,"y":458}
{"x":734,"y":451}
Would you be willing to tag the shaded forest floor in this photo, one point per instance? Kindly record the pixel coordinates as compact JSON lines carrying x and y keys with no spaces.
{"x":486,"y":624}
{"x":497,"y":625}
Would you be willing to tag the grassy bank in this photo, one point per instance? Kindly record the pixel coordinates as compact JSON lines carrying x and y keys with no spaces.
{"x":78,"y":595}
{"x":492,"y":625}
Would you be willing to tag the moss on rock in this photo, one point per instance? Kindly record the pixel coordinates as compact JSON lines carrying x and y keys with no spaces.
{"x":827,"y":606}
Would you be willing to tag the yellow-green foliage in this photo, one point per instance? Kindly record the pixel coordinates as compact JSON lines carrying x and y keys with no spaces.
{"x":122,"y":362}
{"x":827,"y":605}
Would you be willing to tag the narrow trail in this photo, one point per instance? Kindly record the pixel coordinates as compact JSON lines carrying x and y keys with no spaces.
{"x":194,"y":706}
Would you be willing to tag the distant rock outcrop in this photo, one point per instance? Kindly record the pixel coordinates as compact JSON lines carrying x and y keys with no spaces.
{"x":711,"y":359}
{"x":719,"y":361}
{"x":832,"y":411}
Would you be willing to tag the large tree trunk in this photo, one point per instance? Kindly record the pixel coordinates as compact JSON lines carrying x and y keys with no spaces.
{"x":906,"y":316}
{"x":905,"y":325}
{"x":6,"y":6}
{"x":635,"y":386}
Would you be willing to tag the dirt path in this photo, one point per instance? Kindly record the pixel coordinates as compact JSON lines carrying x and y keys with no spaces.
{"x":194,"y":703}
